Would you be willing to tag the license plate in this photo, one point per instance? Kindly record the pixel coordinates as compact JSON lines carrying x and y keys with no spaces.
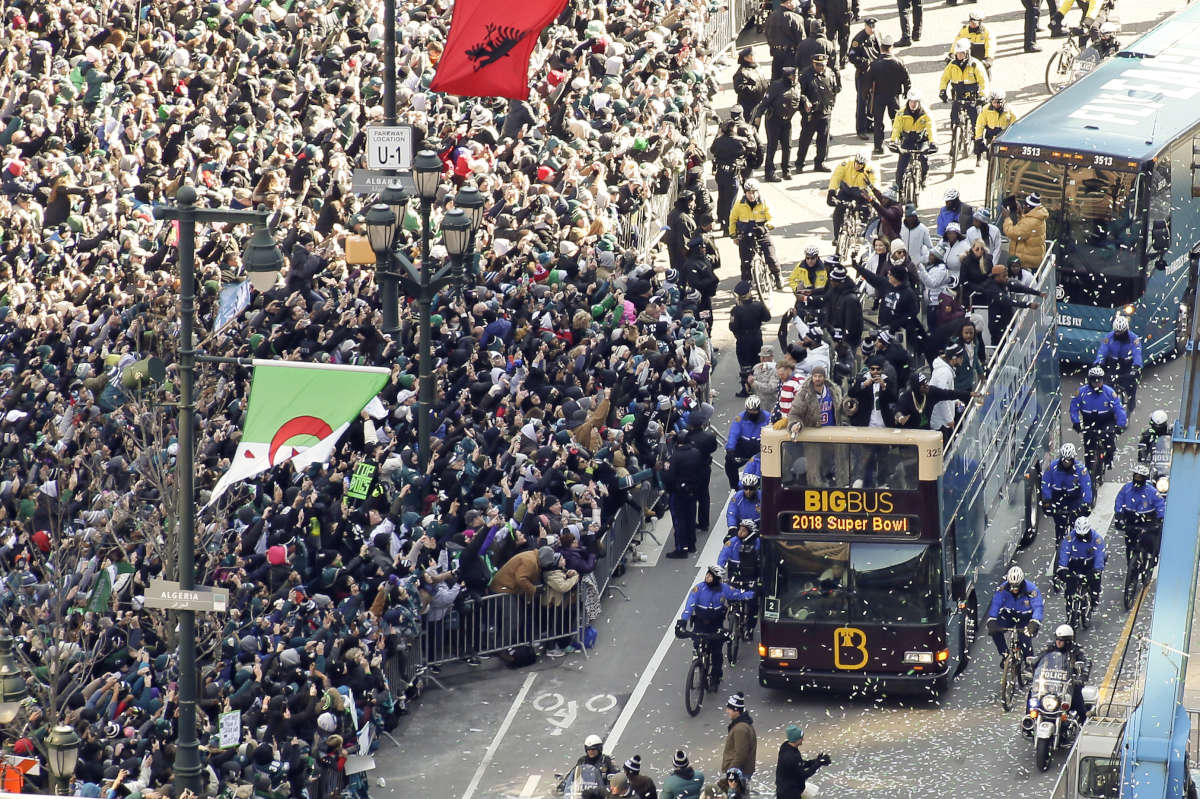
{"x":1045,"y":729}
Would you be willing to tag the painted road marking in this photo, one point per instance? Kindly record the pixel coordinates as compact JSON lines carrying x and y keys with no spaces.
{"x":708,"y":555}
{"x":500,"y":733}
{"x":530,"y":786}
{"x":1122,"y":641}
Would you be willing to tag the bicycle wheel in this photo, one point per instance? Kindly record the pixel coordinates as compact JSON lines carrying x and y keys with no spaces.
{"x":954,"y":145}
{"x":1133,"y":581}
{"x":693,"y":690}
{"x":733,"y":634}
{"x":1060,"y":70}
{"x":908,"y":184}
{"x":758,"y":274}
{"x":845,"y":239}
{"x":1008,"y":681}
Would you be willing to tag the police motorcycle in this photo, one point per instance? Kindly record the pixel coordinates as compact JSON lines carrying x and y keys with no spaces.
{"x":1050,"y":720}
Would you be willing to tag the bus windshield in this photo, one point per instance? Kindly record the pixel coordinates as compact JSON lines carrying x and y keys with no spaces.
{"x":1098,"y":219}
{"x":866,"y":582}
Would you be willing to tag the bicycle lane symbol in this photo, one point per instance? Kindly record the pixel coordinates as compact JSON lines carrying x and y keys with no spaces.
{"x":561,"y":712}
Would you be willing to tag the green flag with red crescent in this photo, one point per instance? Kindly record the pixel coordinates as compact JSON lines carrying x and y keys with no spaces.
{"x":297,"y":412}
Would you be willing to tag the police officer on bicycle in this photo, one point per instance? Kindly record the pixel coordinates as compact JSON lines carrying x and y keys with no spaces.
{"x":1138,"y":510}
{"x":991,"y":122}
{"x":740,"y":557}
{"x":705,"y":609}
{"x":850,"y":183}
{"x":1016,"y":604}
{"x":912,"y":133}
{"x":1097,"y":412}
{"x":745,"y":438}
{"x":1121,"y":356}
{"x":1081,"y":556}
{"x":966,"y":77}
{"x":750,"y":221}
{"x":1066,"y":490}
{"x":745,"y":505}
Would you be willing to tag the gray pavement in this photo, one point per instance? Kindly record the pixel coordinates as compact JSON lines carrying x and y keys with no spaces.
{"x":502,"y":733}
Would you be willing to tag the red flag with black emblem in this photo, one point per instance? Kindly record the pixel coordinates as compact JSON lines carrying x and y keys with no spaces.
{"x":487,"y":51}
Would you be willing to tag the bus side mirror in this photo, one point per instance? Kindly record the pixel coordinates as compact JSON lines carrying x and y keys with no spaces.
{"x":958,"y":588}
{"x":1160,"y":242}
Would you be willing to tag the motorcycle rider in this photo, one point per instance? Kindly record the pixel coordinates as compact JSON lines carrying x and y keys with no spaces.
{"x":991,"y":122}
{"x":744,"y":506}
{"x":593,"y":755}
{"x":740,"y":557}
{"x":1104,"y":39}
{"x":705,"y":609}
{"x":850,"y":182}
{"x":1154,"y":445}
{"x":750,"y":221}
{"x":1097,"y":408}
{"x":1016,"y":603}
{"x":1081,"y":556}
{"x":745,"y":434}
{"x":913,"y":131}
{"x":1121,"y":356}
{"x":1138,"y":512}
{"x":1066,"y":490}
{"x":1078,"y":662}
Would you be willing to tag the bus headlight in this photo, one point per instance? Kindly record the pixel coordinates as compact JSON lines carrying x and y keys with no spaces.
{"x":782,"y":653}
{"x":1127,"y":310}
{"x":1050,"y":703}
{"x":918,"y":657}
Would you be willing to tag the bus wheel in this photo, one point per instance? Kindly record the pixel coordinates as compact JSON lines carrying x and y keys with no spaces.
{"x":1182,"y":326}
{"x":969,"y":630}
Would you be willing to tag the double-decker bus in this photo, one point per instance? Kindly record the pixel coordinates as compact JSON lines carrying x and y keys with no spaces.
{"x":1115,"y":158}
{"x":882,"y":547}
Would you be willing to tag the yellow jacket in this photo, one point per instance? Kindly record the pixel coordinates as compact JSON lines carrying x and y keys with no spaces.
{"x":801,"y":277}
{"x":742,"y":212}
{"x":970,"y":71}
{"x":848,"y":173}
{"x":980,"y":37}
{"x":991,"y":118}
{"x":1092,"y":7}
{"x":906,"y":123}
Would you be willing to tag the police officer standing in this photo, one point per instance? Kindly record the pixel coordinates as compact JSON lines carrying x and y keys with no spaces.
{"x":888,"y":80}
{"x":837,"y":17}
{"x":699,"y":272}
{"x":814,"y":44}
{"x":918,"y":16}
{"x":820,"y":86}
{"x":748,"y":83}
{"x":863,"y":52}
{"x":784,"y":30}
{"x":729,"y":152}
{"x":704,"y":440}
{"x":782,"y":102}
{"x":682,"y":482}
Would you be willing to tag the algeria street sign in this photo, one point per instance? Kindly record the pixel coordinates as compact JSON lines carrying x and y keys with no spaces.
{"x":169,"y":596}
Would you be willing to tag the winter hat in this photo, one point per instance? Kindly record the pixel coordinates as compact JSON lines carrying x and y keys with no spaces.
{"x":634,"y":764}
{"x":277,"y":555}
{"x":547,"y":558}
{"x":983,"y":215}
{"x":681,"y":759}
{"x":326,"y":722}
{"x":1033,"y":200}
{"x":794,"y":733}
{"x":898,"y":245}
{"x":737,"y":702}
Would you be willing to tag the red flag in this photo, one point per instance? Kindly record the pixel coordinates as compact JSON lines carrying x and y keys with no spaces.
{"x":487,"y":51}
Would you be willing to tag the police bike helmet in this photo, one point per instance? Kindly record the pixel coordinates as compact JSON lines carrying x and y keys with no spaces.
{"x":812,"y":251}
{"x":717,"y":571}
{"x":1109,"y":29}
{"x":951,"y":194}
{"x":913,"y":95}
{"x":1064,"y":632}
{"x":749,"y":481}
{"x":1158,"y":420}
{"x":750,"y":185}
{"x":1141,"y":470}
{"x":962,"y":46}
{"x":1015,"y":577}
{"x":862,"y":156}
{"x":1067,"y":452}
{"x":753,"y":403}
{"x":1121,"y":324}
{"x":593,"y":742}
{"x":996,"y":96}
{"x":1083,"y":527}
{"x":974,"y":16}
{"x":1095,"y":373}
{"x":751,"y":525}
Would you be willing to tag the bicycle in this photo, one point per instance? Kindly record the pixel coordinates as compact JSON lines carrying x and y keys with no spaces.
{"x":1012,"y":670}
{"x":760,"y":275}
{"x":1137,"y":574}
{"x":913,"y":179}
{"x":699,"y":671}
{"x":1060,"y":69}
{"x":962,"y":133}
{"x":1078,"y":597}
{"x":732,"y":627}
{"x":1097,"y":453}
{"x":854,"y":222}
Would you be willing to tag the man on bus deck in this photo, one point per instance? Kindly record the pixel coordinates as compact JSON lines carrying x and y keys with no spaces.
{"x":1066,"y":490}
{"x":1016,"y":603}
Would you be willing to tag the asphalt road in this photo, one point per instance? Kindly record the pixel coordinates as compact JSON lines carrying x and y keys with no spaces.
{"x":502,"y":733}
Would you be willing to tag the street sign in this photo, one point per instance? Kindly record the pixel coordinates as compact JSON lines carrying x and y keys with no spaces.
{"x":373,"y":181}
{"x":169,"y":596}
{"x":389,"y":147}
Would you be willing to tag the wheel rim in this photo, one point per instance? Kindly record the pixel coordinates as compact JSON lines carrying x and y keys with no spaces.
{"x":694,"y":690}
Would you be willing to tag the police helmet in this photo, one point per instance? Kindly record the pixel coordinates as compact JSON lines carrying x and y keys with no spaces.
{"x":974,"y":16}
{"x":749,"y":481}
{"x":1109,"y":28}
{"x":962,"y":46}
{"x":753,"y":403}
{"x":1083,"y":527}
{"x":1067,"y":451}
{"x":1159,"y":419}
{"x":996,"y":96}
{"x":1015,"y":576}
{"x":593,"y":742}
{"x":717,"y":571}
{"x":749,"y":524}
{"x":750,"y":185}
{"x":1121,"y":324}
{"x":812,"y":251}
{"x":1095,"y":373}
{"x":1064,"y":631}
{"x":913,"y":95}
{"x":862,"y":156}
{"x":1141,"y":470}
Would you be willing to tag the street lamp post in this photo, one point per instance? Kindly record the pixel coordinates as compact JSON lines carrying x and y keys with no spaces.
{"x":470,"y":199}
{"x":12,"y":683}
{"x":262,"y":261}
{"x":62,"y":749}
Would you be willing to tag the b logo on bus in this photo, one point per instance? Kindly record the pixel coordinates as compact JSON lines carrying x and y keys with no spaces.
{"x":849,"y":648}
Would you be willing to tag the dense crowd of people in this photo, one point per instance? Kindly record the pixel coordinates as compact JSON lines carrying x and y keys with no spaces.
{"x":557,"y":364}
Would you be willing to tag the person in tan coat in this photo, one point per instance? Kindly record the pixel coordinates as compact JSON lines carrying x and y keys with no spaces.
{"x":1027,"y":233}
{"x":741,"y":743}
{"x":819,"y":403}
{"x":522,"y":574}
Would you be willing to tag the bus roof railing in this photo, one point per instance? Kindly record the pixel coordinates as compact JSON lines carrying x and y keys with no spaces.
{"x":929,"y":462}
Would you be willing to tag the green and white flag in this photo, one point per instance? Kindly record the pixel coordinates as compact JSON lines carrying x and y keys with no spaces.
{"x":297,"y":412}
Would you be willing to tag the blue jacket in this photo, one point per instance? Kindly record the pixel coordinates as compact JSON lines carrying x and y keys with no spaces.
{"x":732,"y":551}
{"x":1093,"y":404}
{"x":1026,"y":604}
{"x":1139,"y":500}
{"x":1128,"y":350}
{"x":1075,"y":548}
{"x":742,"y":507}
{"x":754,"y":466}
{"x":748,"y":429}
{"x":1073,"y":488}
{"x":708,"y":603}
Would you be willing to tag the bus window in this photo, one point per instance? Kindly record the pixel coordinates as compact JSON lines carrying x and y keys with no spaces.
{"x":812,"y":579}
{"x":1158,"y":194}
{"x":896,"y":583}
{"x":807,"y":464}
{"x":1099,"y":778}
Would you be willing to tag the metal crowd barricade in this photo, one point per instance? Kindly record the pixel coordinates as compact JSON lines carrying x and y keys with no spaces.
{"x":623,"y":532}
{"x":498,"y":623}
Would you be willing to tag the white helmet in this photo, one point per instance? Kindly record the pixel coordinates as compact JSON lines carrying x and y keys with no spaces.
{"x":963,"y":45}
{"x":974,"y":16}
{"x":1083,"y":525}
{"x":753,"y":403}
{"x":717,"y":571}
{"x":1067,"y":451}
{"x":1015,"y":576}
{"x":749,"y":481}
{"x":593,"y":742}
{"x":1121,"y":324}
{"x":951,"y":194}
{"x":862,"y":156}
{"x":1064,"y":631}
{"x":1109,"y":28}
{"x":914,"y":95}
{"x":996,"y":95}
{"x":750,"y":185}
{"x":1159,"y":418}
